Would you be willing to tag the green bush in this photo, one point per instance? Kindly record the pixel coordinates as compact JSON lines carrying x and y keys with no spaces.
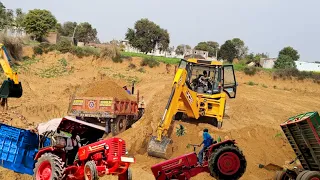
{"x":149,"y":61}
{"x":37,"y":50}
{"x":293,"y":72}
{"x":142,"y":70}
{"x":111,"y":52}
{"x":64,"y":46}
{"x":250,"y":71}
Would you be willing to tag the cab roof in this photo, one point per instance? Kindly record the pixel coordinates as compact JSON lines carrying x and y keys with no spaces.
{"x":204,"y":62}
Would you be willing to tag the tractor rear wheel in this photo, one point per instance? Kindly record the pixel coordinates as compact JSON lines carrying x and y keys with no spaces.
{"x":311,"y":175}
{"x":90,"y":171}
{"x":48,"y":167}
{"x":227,"y":162}
{"x":119,"y":125}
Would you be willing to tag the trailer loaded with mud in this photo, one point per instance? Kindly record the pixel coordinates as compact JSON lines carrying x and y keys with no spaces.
{"x":110,"y":107}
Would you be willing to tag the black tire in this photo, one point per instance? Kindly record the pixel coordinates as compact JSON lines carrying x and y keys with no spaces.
{"x":178,"y":116}
{"x":140,"y":113}
{"x":119,"y":125}
{"x":222,"y":156}
{"x":299,"y":177}
{"x":310,"y":175}
{"x":48,"y":161}
{"x":90,"y":171}
{"x":281,"y":175}
{"x":126,"y":176}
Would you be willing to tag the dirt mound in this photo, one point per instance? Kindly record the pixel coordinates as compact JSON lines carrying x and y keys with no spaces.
{"x":106,"y":88}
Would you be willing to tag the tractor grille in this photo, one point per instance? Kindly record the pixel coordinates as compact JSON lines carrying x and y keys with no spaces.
{"x":303,"y":136}
{"x":118,"y":147}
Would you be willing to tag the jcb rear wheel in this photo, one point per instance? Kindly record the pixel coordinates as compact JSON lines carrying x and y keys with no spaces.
{"x":90,"y":171}
{"x":119,"y":125}
{"x":227,"y":162}
{"x":48,"y":167}
{"x":219,"y":124}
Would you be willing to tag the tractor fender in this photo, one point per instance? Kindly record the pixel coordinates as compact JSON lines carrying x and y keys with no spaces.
{"x":42,"y":151}
{"x":217,"y":145}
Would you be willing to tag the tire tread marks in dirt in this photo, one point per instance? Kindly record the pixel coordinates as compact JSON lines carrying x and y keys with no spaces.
{"x":57,"y":166}
{"x":213,"y":162}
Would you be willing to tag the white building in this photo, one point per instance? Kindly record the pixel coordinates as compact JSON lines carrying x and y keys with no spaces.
{"x":307,"y":66}
{"x":267,"y":63}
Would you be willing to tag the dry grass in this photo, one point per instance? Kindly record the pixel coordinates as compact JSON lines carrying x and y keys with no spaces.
{"x":111,"y":52}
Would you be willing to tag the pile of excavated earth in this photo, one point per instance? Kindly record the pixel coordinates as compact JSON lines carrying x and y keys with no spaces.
{"x":253,"y":118}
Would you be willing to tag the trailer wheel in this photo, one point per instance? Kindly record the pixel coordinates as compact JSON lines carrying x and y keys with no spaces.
{"x":48,"y":167}
{"x":281,"y":175}
{"x":90,"y":171}
{"x":311,"y":175}
{"x":119,"y":125}
{"x":299,"y":177}
{"x":227,"y":162}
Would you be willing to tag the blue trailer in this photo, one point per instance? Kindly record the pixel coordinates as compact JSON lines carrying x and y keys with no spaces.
{"x":18,"y":148}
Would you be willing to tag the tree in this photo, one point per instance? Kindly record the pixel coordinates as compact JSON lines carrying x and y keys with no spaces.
{"x":18,"y":20}
{"x":242,"y":50}
{"x":39,"y":22}
{"x":289,"y":51}
{"x":146,"y":35}
{"x":284,"y":62}
{"x":6,"y":17}
{"x":67,"y":28}
{"x":181,"y":49}
{"x":210,"y":46}
{"x":228,"y":51}
{"x":85,"y":33}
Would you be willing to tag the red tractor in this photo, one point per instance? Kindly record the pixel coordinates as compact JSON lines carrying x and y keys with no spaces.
{"x":222,"y":160}
{"x":97,"y":158}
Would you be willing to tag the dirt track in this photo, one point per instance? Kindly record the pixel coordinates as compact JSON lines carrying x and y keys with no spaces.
{"x":253,"y":117}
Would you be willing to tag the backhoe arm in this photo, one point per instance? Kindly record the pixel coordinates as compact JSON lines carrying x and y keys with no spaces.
{"x":4,"y":61}
{"x":180,"y":91}
{"x":10,"y":88}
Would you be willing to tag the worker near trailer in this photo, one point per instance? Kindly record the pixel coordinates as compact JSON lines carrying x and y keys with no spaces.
{"x":126,"y":89}
{"x":73,"y":144}
{"x":207,"y":141}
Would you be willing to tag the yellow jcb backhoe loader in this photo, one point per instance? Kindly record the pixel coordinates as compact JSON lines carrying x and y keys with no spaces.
{"x":10,"y":88}
{"x":199,"y":90}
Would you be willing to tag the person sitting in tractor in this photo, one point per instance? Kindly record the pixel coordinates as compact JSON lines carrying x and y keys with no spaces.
{"x":73,"y":144}
{"x":126,"y":89}
{"x":207,"y":141}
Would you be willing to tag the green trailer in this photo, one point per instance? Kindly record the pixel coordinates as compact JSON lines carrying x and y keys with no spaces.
{"x":302,"y":132}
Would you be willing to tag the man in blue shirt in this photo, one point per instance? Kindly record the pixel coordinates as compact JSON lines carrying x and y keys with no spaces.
{"x":126,"y":89}
{"x":207,"y":141}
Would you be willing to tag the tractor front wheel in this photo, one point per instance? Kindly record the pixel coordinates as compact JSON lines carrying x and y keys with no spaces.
{"x":227,"y":162}
{"x":126,"y":176}
{"x":90,"y":171}
{"x":48,"y":167}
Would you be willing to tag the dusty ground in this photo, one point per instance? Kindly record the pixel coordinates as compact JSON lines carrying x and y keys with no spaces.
{"x":253,"y":117}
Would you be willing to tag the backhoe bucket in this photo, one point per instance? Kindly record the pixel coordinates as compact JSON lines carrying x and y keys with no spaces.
{"x":9,"y":89}
{"x":158,"y":148}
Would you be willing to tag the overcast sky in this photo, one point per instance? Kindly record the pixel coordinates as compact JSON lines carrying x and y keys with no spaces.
{"x":264,"y":25}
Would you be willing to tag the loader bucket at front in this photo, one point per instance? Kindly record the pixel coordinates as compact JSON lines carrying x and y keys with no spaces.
{"x":9,"y":89}
{"x":159,"y":148}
